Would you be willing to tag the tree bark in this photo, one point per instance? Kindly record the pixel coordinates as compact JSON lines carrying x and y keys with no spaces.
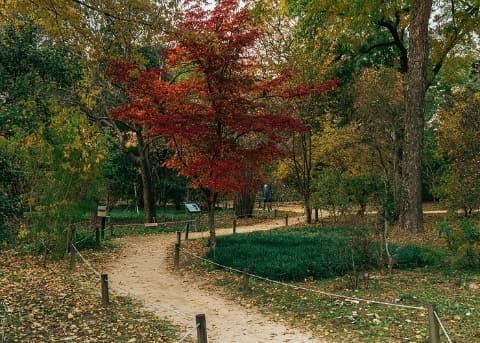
{"x":308,"y":207}
{"x":143,"y":159}
{"x":211,"y":199}
{"x":302,"y":164}
{"x":416,"y":82}
{"x":307,"y":174}
{"x":244,"y":204}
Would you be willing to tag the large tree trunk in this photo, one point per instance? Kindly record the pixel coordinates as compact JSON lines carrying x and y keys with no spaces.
{"x":143,"y":159}
{"x":412,"y":216}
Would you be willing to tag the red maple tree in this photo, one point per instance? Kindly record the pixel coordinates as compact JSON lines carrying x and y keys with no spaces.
{"x":211,"y":104}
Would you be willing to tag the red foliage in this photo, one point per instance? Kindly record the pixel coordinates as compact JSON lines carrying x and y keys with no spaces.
{"x":215,"y":115}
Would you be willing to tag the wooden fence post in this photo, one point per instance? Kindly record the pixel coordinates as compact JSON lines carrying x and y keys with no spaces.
{"x":177,"y":256}
{"x":97,"y":236}
{"x":275,"y":213}
{"x":245,"y":282}
{"x":201,"y":328}
{"x":433,"y":325}
{"x":234,"y":226}
{"x":286,"y":220}
{"x":102,"y":229}
{"x":179,"y":237}
{"x":69,"y":239}
{"x":187,"y":229}
{"x":73,"y":257}
{"x":105,"y":298}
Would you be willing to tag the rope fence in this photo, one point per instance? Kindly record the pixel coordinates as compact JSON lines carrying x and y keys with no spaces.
{"x":87,"y":263}
{"x":333,"y":295}
{"x":186,"y":318}
{"x":189,"y":333}
{"x":85,"y":238}
{"x":449,"y":340}
{"x":156,"y":223}
{"x":329,"y":294}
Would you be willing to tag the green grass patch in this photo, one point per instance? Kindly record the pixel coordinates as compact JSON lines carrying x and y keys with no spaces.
{"x":297,"y":254}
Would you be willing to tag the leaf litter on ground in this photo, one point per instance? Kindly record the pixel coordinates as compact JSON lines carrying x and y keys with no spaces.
{"x":51,"y":304}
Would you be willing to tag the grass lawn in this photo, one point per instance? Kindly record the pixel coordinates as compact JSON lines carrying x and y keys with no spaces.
{"x":455,"y":292}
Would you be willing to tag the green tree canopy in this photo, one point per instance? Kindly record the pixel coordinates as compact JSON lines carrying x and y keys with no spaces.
{"x":33,"y":72}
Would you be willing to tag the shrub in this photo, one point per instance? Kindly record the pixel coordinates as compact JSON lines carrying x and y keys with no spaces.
{"x":414,"y":256}
{"x":464,"y":240}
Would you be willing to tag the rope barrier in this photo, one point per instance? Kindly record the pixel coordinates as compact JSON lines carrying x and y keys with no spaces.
{"x":86,"y":261}
{"x":443,"y":328}
{"x":348,"y":298}
{"x":184,"y":337}
{"x":84,"y":239}
{"x":158,"y":223}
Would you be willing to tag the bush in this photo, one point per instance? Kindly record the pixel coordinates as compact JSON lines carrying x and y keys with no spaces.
{"x":463,"y":239}
{"x":414,"y":256}
{"x":9,"y":195}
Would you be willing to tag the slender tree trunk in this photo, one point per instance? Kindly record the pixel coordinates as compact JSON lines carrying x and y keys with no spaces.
{"x":307,"y":177}
{"x":302,"y":164}
{"x":308,"y":208}
{"x":211,"y":199}
{"x":147,"y":180}
{"x":414,"y":115}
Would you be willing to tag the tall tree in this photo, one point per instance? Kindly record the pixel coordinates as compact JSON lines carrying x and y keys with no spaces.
{"x":54,"y":153}
{"x":457,"y":132}
{"x":416,"y":87}
{"x":33,"y":72}
{"x":374,"y":32}
{"x":280,"y":47}
{"x":97,"y":31}
{"x":379,"y":106}
{"x":215,"y":114}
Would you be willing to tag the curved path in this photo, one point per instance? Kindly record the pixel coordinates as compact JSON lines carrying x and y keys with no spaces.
{"x":142,"y":271}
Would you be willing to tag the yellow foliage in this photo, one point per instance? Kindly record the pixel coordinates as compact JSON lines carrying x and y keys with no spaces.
{"x":22,"y":231}
{"x":341,"y":148}
{"x":283,"y":170}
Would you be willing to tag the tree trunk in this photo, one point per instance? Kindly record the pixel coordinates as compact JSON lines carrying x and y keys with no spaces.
{"x":308,"y":207}
{"x":414,"y":115}
{"x":244,"y":204}
{"x":302,"y":164}
{"x":211,"y":199}
{"x":147,"y":180}
{"x":307,"y":177}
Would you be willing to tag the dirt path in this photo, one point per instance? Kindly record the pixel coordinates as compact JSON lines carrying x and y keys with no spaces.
{"x":143,"y":272}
